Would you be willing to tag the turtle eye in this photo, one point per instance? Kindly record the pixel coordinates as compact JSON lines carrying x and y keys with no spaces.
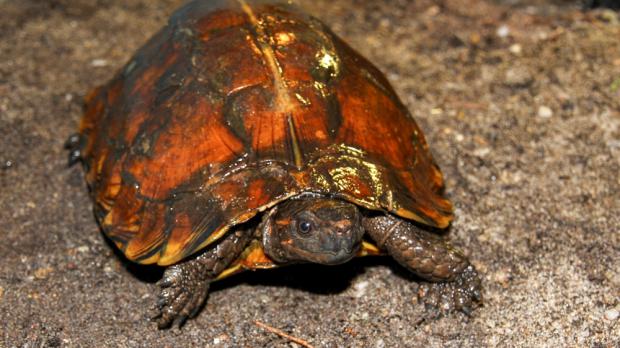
{"x":304,"y":227}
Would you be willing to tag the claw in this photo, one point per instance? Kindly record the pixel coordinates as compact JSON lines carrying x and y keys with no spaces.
{"x":155,"y":315}
{"x":181,"y":296}
{"x":166,"y":296}
{"x":72,"y":141}
{"x":180,"y":321}
{"x":198,"y":304}
{"x":74,"y":157}
{"x":477,"y":295}
{"x":163,"y":324}
{"x":74,"y":144}
{"x":195,"y":311}
{"x":161,"y":303}
{"x":164,"y":282}
{"x":462,"y":294}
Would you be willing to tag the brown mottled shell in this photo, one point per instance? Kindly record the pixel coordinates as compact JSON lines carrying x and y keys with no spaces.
{"x":235,"y":106}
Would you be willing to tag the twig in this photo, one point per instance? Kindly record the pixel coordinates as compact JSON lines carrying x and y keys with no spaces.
{"x":281,"y":333}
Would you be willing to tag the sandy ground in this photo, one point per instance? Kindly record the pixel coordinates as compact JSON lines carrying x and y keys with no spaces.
{"x":521,"y":105}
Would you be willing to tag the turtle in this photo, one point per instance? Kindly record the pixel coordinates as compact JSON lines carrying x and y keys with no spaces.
{"x":247,"y":135}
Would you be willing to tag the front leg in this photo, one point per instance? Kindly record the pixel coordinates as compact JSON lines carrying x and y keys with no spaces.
{"x":454,"y":282}
{"x":184,"y":286}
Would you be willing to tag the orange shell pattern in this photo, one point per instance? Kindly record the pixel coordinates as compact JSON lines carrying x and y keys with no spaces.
{"x":235,"y":106}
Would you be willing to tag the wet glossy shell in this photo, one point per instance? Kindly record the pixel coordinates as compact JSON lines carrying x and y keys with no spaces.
{"x":235,"y":106}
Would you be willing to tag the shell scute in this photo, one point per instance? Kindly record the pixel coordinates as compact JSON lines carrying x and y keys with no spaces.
{"x":235,"y":106}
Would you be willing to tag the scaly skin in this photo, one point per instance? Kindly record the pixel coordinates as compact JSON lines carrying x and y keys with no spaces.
{"x":454,"y":282}
{"x":184,"y":286}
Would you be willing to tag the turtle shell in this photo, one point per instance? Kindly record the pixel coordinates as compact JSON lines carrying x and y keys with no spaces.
{"x":235,"y":106}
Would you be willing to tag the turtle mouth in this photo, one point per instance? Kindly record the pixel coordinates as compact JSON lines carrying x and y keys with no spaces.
{"x":333,"y":256}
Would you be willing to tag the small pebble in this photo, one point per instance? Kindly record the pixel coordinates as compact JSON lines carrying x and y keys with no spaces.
{"x":82,"y":249}
{"x":518,"y":76}
{"x":503,"y":277}
{"x":221,"y":338}
{"x":611,"y":314}
{"x":482,"y":151}
{"x":515,"y":49}
{"x":609,"y":16}
{"x":42,"y":273}
{"x":432,"y":11}
{"x":98,"y":63}
{"x":475,"y":39}
{"x":544,"y":111}
{"x":503,"y":31}
{"x":1,"y":293}
{"x":360,"y":289}
{"x":7,"y":164}
{"x":109,"y":268}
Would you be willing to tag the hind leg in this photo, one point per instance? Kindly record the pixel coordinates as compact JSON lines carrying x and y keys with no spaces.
{"x":453,"y":282}
{"x":184,"y":286}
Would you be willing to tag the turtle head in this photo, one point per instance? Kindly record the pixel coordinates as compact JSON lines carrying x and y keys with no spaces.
{"x":313,"y":229}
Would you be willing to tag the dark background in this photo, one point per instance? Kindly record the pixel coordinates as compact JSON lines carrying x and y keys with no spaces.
{"x":520,"y":101}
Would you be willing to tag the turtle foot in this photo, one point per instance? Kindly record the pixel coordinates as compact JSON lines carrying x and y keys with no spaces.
{"x":182,"y":293}
{"x":462,"y":293}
